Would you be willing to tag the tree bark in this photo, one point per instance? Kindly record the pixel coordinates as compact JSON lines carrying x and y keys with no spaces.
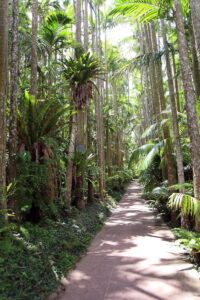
{"x":79,"y":186}
{"x":153,"y":78}
{"x":86,"y":37}
{"x":78,"y":22}
{"x":71,"y":151}
{"x":195,"y":13}
{"x":193,"y":128}
{"x":169,"y":157}
{"x":99,"y":118}
{"x":13,"y":97}
{"x":33,"y":90}
{"x":195,"y":66}
{"x":178,"y":106}
{"x":3,"y":98}
{"x":179,"y":155}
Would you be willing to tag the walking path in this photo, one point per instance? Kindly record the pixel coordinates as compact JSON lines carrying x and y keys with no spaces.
{"x":133,"y":258}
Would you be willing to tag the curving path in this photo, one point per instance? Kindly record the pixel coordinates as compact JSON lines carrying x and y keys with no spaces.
{"x":132,"y":258}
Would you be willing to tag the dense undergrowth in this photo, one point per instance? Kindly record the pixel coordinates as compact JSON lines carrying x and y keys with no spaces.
{"x":34,"y":257}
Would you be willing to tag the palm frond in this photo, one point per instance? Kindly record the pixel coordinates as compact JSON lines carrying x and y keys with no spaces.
{"x":150,"y":156}
{"x":58,"y":17}
{"x":160,"y":191}
{"x":188,"y":204}
{"x":146,"y":10}
{"x":142,"y":10}
{"x":150,"y":131}
{"x":140,"y":152}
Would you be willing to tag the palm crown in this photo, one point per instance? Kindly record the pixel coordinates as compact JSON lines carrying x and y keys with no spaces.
{"x":81,"y":73}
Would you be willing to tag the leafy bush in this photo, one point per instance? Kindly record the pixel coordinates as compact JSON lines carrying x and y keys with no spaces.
{"x":31,"y":181}
{"x":191,"y":240}
{"x":151,"y":177}
{"x":118,"y":181}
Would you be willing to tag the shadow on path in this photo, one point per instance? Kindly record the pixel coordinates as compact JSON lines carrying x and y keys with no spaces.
{"x":132,"y":259}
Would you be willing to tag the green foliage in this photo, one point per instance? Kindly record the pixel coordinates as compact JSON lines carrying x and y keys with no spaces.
{"x":38,"y":119}
{"x":83,"y":69}
{"x":150,"y":178}
{"x":147,"y":10}
{"x":144,"y":10}
{"x":31,"y":181}
{"x":160,"y":191}
{"x":58,"y":17}
{"x":188,"y":204}
{"x":118,"y":181}
{"x":187,"y":186}
{"x":146,"y":154}
{"x":80,"y":74}
{"x":189,"y":239}
{"x":33,"y":259}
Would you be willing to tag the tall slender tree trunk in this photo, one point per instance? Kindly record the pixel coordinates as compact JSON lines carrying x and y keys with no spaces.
{"x":3,"y":98}
{"x":78,"y":22}
{"x":107,"y":133}
{"x":80,"y":140}
{"x":92,"y":28}
{"x":71,"y":149}
{"x":33,"y":90}
{"x":90,"y":192}
{"x":179,"y":155}
{"x":99,"y":118}
{"x":195,"y":66}
{"x":86,"y":36}
{"x":152,"y":77}
{"x":193,"y":128}
{"x":79,"y":185}
{"x":13,"y":97}
{"x":169,"y":157}
{"x":178,"y":106}
{"x":147,"y":80}
{"x":195,"y":12}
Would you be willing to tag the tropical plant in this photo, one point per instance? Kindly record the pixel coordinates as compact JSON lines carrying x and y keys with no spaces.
{"x":147,"y":10}
{"x":38,"y":119}
{"x":145,"y":154}
{"x":190,"y":240}
{"x":38,"y":125}
{"x":188,"y":204}
{"x":54,"y":34}
{"x":81,"y":73}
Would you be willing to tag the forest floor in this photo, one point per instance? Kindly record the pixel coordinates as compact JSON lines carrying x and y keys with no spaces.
{"x":134,"y":257}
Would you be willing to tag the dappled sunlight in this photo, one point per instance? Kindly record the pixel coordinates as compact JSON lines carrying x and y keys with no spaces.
{"x":132,"y":259}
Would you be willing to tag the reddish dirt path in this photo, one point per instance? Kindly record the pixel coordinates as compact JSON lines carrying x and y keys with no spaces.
{"x":132,"y":258}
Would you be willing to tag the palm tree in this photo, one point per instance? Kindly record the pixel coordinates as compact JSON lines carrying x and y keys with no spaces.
{"x":179,"y":155}
{"x":53,"y":37}
{"x":14,"y":94}
{"x":3,"y":98}
{"x":195,"y":12}
{"x":190,"y":102}
{"x":80,"y":73}
{"x":148,"y":10}
{"x":37,"y":123}
{"x":98,"y":107}
{"x":54,"y":33}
